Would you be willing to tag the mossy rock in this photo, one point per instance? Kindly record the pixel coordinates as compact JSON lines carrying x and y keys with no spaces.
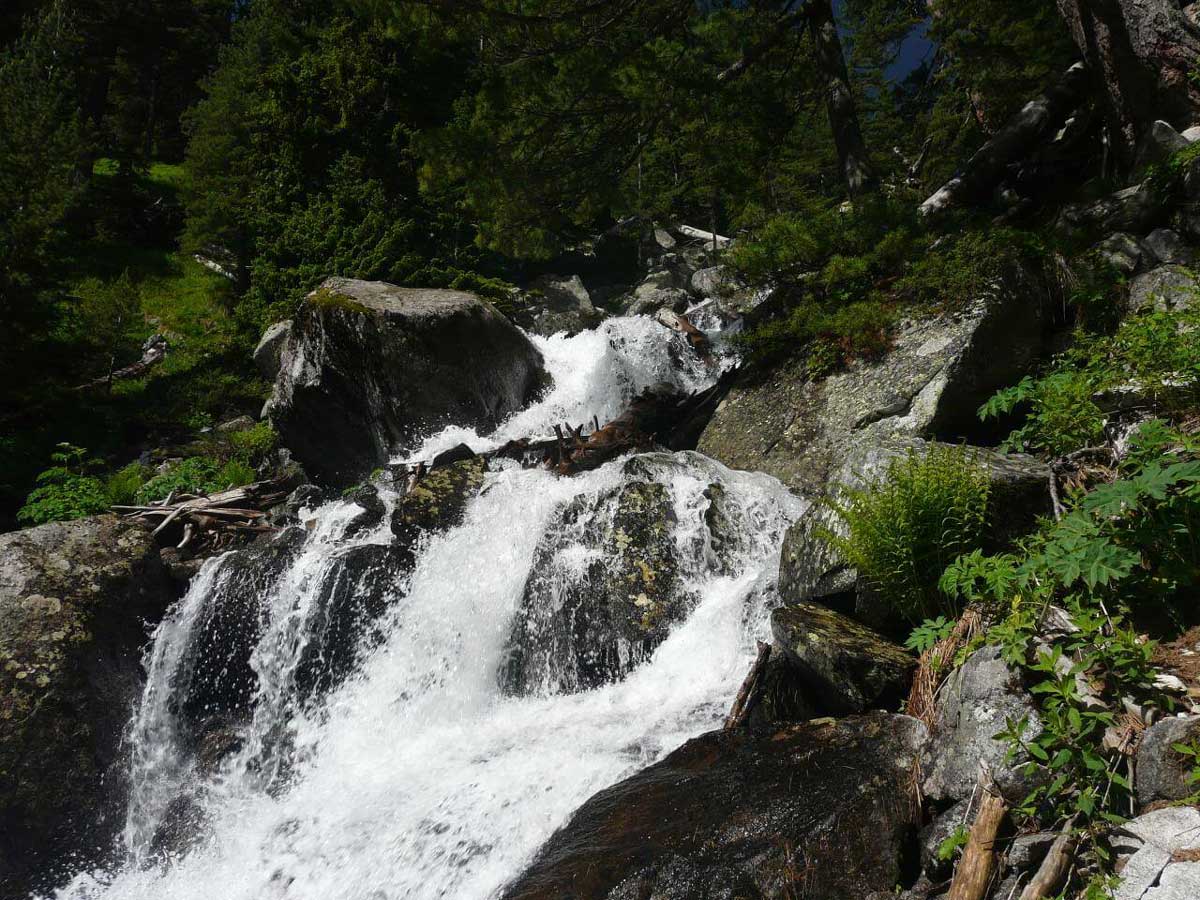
{"x":438,"y":500}
{"x":75,"y":598}
{"x":577,"y":628}
{"x":846,"y":666}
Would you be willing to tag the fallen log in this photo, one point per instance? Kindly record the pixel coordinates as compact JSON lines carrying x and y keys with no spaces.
{"x":747,"y":696}
{"x":659,"y":417}
{"x":1014,"y":141}
{"x":214,"y":519}
{"x":154,"y":351}
{"x":978,"y":863}
{"x":1054,"y":867}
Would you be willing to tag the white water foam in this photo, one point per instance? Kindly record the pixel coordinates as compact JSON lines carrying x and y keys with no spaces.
{"x":418,"y":777}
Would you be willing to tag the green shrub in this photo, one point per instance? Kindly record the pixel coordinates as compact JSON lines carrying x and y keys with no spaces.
{"x":253,"y":444}
{"x":903,"y":530}
{"x":64,"y":491}
{"x":1124,"y":550}
{"x":1153,"y":352}
{"x":122,"y":486}
{"x":196,"y":475}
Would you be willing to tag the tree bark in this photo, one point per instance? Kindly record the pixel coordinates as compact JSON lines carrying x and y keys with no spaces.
{"x":978,"y":863}
{"x":1018,"y":136}
{"x":853,"y":162}
{"x":1141,"y":54}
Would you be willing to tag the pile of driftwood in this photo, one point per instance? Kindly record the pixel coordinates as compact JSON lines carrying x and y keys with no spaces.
{"x":211,"y":522}
{"x":658,"y":417}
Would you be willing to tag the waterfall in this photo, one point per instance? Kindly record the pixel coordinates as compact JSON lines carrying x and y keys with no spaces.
{"x":417,"y":775}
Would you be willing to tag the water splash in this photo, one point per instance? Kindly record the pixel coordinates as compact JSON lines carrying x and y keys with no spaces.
{"x":417,"y":777}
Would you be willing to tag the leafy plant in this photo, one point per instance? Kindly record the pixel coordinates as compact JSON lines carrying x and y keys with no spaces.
{"x":253,"y":444}
{"x":196,"y":475}
{"x":902,"y":531}
{"x":122,"y":486}
{"x":64,"y":491}
{"x":1190,"y":753}
{"x":957,"y":839}
{"x":929,"y":633}
{"x":1121,"y":548}
{"x":1145,"y":355}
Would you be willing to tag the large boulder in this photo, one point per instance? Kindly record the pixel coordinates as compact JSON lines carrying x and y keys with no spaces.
{"x":661,"y":289}
{"x":583,"y":624}
{"x":930,"y":384}
{"x":846,"y":666}
{"x":1166,"y":288}
{"x":823,"y":809}
{"x":370,"y":367}
{"x":976,"y":703}
{"x":268,"y":355}
{"x":1157,"y":853}
{"x":75,"y":601}
{"x":1135,"y":209}
{"x":564,"y":304}
{"x":811,"y":569}
{"x":1162,"y":772}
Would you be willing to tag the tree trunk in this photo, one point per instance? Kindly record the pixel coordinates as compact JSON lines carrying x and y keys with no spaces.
{"x":843,"y":117}
{"x":1141,"y":54}
{"x":1016,"y":139}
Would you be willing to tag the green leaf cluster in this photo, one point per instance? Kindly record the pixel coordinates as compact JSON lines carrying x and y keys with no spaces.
{"x":902,"y":531}
{"x":1122,"y":550}
{"x":1149,"y":355}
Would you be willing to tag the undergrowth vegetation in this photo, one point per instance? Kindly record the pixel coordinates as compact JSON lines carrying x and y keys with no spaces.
{"x":843,"y":276}
{"x":903,"y":531}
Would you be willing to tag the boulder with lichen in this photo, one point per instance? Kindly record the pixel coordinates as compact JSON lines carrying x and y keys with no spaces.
{"x":75,"y":601}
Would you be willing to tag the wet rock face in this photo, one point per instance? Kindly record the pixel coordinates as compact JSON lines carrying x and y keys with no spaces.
{"x":604,"y":592}
{"x":217,"y":684}
{"x":368,"y":367}
{"x":437,"y":502}
{"x":75,"y":600}
{"x":747,"y":815}
{"x":930,"y":384}
{"x":846,"y":666}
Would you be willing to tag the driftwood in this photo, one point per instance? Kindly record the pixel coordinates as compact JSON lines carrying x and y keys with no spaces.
{"x":978,"y":863}
{"x":749,"y":693}
{"x":695,"y":338}
{"x":1054,"y":867}
{"x":212,"y":520}
{"x":153,"y":353}
{"x":658,"y":417}
{"x":1015,"y":140}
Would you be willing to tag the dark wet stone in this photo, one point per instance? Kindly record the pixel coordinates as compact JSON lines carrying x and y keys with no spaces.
{"x":576,"y":630}
{"x":846,"y":666}
{"x":817,"y":810}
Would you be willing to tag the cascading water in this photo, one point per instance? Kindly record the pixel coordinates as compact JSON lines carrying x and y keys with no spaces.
{"x":418,"y":776}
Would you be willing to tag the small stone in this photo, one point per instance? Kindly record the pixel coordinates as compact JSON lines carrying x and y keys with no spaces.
{"x":1162,"y":773}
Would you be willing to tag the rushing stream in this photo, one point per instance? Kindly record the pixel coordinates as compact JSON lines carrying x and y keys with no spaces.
{"x":417,"y":776}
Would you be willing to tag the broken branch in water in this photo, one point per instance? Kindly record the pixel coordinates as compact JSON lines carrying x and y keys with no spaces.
{"x":747,"y":696}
